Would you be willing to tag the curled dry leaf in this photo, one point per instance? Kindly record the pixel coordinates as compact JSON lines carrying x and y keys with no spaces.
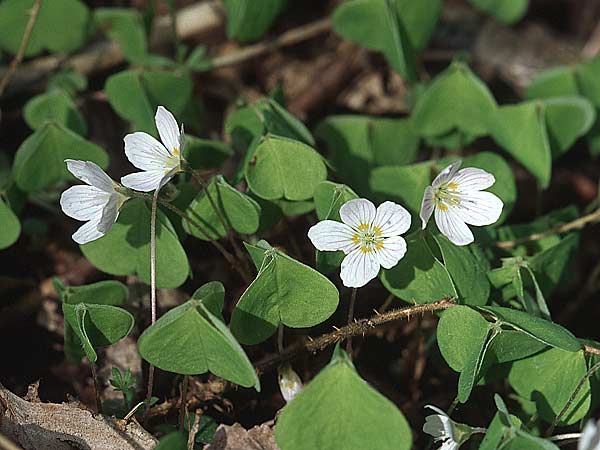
{"x":53,"y":426}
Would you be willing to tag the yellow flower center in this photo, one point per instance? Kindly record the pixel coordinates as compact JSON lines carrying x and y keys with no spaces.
{"x":445,"y":195}
{"x":173,"y":160}
{"x":368,"y":238}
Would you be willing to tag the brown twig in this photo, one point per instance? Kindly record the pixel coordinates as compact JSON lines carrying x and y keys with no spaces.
{"x":290,"y":37}
{"x":576,"y":224}
{"x":359,"y":327}
{"x":194,"y":430}
{"x":35,"y":9}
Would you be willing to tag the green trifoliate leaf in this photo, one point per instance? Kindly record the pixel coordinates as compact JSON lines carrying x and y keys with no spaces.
{"x":54,"y":106}
{"x":358,"y":143}
{"x":61,"y":26}
{"x":506,"y":11}
{"x":549,"y":379}
{"x":126,"y":27}
{"x":554,"y":82}
{"x":96,"y":325}
{"x":190,"y":339}
{"x":282,"y":168}
{"x":419,"y":277}
{"x":284,"y":291}
{"x":125,"y":249}
{"x":544,"y":331}
{"x":419,"y":19}
{"x":112,"y":293}
{"x":250,"y":20}
{"x":40,"y":160}
{"x":135,"y":95}
{"x":567,"y":119}
{"x":277,"y":120}
{"x":240,"y":212}
{"x":376,"y":25}
{"x":339,"y":410}
{"x":69,"y":81}
{"x":9,"y":225}
{"x":456,"y":100}
{"x":329,"y":197}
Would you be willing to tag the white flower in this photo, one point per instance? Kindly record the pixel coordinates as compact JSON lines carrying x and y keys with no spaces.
{"x":590,"y":436}
{"x":458,"y":199}
{"x":442,"y":428}
{"x":290,"y":383}
{"x":98,"y":203}
{"x":370,"y":238}
{"x":159,"y":161}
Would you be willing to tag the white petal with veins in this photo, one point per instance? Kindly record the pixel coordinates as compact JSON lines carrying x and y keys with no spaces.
{"x":143,"y":181}
{"x":473,"y":179}
{"x":453,"y":227}
{"x":357,"y":212}
{"x":358,"y":268}
{"x":392,"y":251}
{"x":168,"y":129}
{"x":392,"y":219}
{"x":145,"y":152}
{"x":90,"y":173}
{"x":427,"y":206}
{"x":329,"y":235}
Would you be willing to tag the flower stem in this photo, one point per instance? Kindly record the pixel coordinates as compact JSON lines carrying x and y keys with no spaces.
{"x":152,"y":288}
{"x":183,"y":404}
{"x":350,"y":319}
{"x":96,"y":387}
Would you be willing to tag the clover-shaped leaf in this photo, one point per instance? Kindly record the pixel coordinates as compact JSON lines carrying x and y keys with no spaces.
{"x":204,"y":154}
{"x":135,"y":95}
{"x":456,"y":100}
{"x":506,"y":11}
{"x":284,"y":168}
{"x":125,"y":249}
{"x":237,"y":209}
{"x":284,"y":291}
{"x":96,"y":325}
{"x":61,"y":25}
{"x":111,"y":293}
{"x":57,"y":106}
{"x":419,"y":277}
{"x":40,"y":160}
{"x":191,"y":339}
{"x":557,"y":374}
{"x":11,"y":227}
{"x":338,"y":409}
{"x":126,"y":27}
{"x":376,"y":25}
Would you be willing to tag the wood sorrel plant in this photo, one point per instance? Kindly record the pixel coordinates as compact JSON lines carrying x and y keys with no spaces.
{"x":409,"y":208}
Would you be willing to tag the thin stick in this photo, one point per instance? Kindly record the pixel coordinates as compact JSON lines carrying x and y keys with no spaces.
{"x":576,"y":224}
{"x":14,"y":64}
{"x":280,"y":338}
{"x":152,"y":290}
{"x":356,"y":328}
{"x":194,"y":430}
{"x":290,"y":37}
{"x":96,"y":388}
{"x":572,"y":398}
{"x":7,"y":444}
{"x":183,"y":401}
{"x":350,"y":319}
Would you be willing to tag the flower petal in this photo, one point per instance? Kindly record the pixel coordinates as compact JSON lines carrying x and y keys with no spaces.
{"x":453,"y":227}
{"x":88,"y":232}
{"x":83,"y":202}
{"x":329,"y":235}
{"x":392,"y":219}
{"x":479,"y":208}
{"x":473,"y":179}
{"x":394,"y":249}
{"x":441,"y":424}
{"x":447,"y":174}
{"x":358,"y":268}
{"x":145,"y":152}
{"x":427,"y":206}
{"x":358,"y":211}
{"x":168,"y":129}
{"x":143,"y":181}
{"x":109,"y":214}
{"x":90,"y":173}
{"x":590,"y":436}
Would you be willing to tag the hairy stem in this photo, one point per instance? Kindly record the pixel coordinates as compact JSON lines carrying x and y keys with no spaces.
{"x":96,"y":388}
{"x":33,"y":14}
{"x":576,"y":224}
{"x":356,"y":328}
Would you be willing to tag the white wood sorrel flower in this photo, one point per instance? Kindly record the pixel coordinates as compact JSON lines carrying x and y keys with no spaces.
{"x":452,"y":434}
{"x":159,"y":161}
{"x":458,"y":198}
{"x":369,"y":237}
{"x":98,"y":203}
